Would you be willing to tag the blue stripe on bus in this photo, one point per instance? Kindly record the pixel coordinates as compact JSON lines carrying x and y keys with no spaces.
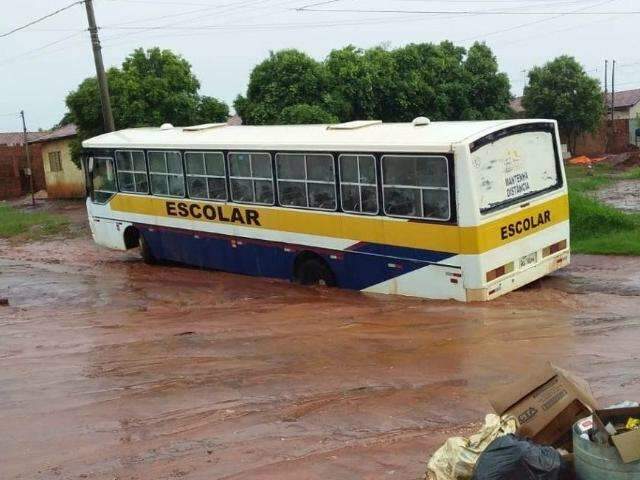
{"x":352,"y":268}
{"x":392,"y":251}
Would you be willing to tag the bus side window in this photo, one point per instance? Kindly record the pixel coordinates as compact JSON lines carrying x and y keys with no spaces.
{"x":132,"y":171}
{"x":206,"y":175}
{"x":358,"y":184}
{"x":416,"y":186}
{"x":165,"y":173}
{"x":306,"y":180}
{"x":251,"y":178}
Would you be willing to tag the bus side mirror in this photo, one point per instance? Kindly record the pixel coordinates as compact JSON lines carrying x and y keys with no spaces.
{"x":90,"y":164}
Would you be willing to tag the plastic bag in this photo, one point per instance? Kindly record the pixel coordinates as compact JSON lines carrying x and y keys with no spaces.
{"x":512,"y":458}
{"x":457,"y":457}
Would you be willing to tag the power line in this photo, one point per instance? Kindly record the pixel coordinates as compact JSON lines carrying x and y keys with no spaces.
{"x":463,"y":12}
{"x":231,"y":9}
{"x":38,"y":20}
{"x":350,"y":22}
{"x":42,"y":47}
{"x":574,"y":27}
{"x":154,"y":2}
{"x":173,"y":15}
{"x":318,"y":4}
{"x":534,"y":22}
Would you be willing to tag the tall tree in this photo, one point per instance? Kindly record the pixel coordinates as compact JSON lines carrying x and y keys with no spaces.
{"x":561,"y":90}
{"x":285,"y":79}
{"x":489,"y":88}
{"x":442,"y":81}
{"x":152,"y":87}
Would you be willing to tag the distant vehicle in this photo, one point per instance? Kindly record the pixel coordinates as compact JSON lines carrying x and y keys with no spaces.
{"x":442,"y":210}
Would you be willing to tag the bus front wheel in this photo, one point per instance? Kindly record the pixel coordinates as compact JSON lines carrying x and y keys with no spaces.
{"x":314,"y":271}
{"x":145,"y":252}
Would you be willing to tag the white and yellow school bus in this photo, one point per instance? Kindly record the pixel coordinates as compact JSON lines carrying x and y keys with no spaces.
{"x":443,"y":210}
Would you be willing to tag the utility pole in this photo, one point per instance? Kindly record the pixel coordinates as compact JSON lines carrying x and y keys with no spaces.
{"x":613,"y":90}
{"x":26,"y":151}
{"x":606,"y":73}
{"x":107,"y":114}
{"x":606,"y":103}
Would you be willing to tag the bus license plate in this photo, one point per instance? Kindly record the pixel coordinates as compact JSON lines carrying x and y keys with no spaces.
{"x":528,"y":260}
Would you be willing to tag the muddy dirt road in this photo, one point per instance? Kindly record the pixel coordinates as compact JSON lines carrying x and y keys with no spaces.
{"x":111,"y":369}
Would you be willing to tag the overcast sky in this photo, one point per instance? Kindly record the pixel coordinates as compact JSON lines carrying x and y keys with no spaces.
{"x":224,"y":39}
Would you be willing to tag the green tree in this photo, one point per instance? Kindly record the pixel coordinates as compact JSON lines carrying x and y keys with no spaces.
{"x":561,"y":90}
{"x":441,"y":81}
{"x":489,"y":89}
{"x":303,"y":113}
{"x":350,"y":83}
{"x":286,"y":78}
{"x":152,"y":87}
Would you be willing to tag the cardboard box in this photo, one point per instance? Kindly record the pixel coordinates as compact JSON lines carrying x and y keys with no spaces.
{"x":627,"y":443}
{"x":546,"y":403}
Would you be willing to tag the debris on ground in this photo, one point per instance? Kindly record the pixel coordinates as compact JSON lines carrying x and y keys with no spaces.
{"x":625,"y":404}
{"x":620,"y":161}
{"x":546,"y":404}
{"x":513,"y":458}
{"x":558,"y":429}
{"x":4,"y":302}
{"x":456,"y":459}
{"x":580,"y":160}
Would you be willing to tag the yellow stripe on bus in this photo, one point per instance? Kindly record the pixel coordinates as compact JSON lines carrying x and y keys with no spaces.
{"x":374,"y":229}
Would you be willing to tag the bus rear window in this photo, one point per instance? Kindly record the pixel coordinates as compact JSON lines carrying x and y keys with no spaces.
{"x":515,"y":165}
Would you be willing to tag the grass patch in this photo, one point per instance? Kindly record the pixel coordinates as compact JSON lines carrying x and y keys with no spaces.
{"x":600,"y":229}
{"x":596,"y":227}
{"x":632,"y":174}
{"x":30,"y":224}
{"x":580,"y":179}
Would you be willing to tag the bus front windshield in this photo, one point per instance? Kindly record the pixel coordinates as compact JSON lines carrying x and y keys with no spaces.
{"x":103,"y":181}
{"x":513,"y":166}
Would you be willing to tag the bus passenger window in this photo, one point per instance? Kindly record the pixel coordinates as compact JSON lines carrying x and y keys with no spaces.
{"x":132,"y":171}
{"x":358,"y":184}
{"x":416,"y":186}
{"x":251,"y":178}
{"x":206,"y":175}
{"x":306,"y":180}
{"x":165,"y":173}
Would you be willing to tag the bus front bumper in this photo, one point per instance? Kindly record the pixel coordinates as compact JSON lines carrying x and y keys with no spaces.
{"x":520,"y":278}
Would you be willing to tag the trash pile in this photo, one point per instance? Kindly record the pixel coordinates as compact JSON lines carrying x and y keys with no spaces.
{"x":584,"y":160}
{"x":545,"y":427}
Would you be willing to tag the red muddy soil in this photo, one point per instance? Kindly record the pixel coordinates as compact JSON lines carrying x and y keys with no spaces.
{"x":112,"y":369}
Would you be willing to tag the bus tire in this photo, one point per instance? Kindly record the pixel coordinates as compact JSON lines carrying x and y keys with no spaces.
{"x":314,"y":271}
{"x":145,"y":252}
{"x":131,"y":237}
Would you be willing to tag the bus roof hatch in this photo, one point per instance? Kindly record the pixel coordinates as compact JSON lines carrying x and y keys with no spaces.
{"x":354,"y":125}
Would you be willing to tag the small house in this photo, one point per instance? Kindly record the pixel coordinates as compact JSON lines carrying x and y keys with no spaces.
{"x":64,"y":179}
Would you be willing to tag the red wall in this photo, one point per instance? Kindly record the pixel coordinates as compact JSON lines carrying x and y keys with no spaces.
{"x":593,"y":144}
{"x":13,"y":182}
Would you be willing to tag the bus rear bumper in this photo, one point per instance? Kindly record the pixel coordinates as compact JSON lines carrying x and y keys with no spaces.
{"x":519,"y":279}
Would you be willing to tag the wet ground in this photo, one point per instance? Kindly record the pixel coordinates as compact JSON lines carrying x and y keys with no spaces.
{"x":622,"y":194}
{"x":112,"y":369}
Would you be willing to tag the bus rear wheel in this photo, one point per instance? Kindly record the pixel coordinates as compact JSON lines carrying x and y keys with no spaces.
{"x":314,"y":271}
{"x":145,"y":252}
